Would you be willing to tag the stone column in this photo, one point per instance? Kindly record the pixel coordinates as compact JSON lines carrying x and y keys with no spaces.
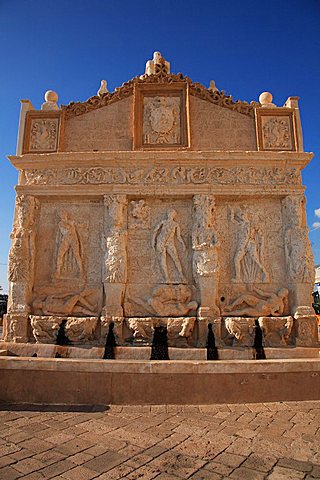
{"x":299,"y":258}
{"x":205,"y":261}
{"x":21,"y":267}
{"x":115,"y":254}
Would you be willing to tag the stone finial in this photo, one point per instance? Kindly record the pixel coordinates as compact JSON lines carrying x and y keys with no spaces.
{"x":212,"y":86}
{"x":51,"y":99}
{"x":103,"y":88}
{"x":157,"y":65}
{"x":265,"y":100}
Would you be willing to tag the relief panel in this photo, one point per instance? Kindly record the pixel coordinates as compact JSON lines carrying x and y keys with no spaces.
{"x":160,"y":280}
{"x":68,"y":271}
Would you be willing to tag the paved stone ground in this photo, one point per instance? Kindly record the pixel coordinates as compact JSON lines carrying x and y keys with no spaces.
{"x":275,"y":441}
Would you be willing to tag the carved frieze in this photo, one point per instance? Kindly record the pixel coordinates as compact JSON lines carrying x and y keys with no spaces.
{"x":175,"y":175}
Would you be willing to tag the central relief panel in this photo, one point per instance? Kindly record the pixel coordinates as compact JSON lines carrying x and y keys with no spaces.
{"x":160,"y":281}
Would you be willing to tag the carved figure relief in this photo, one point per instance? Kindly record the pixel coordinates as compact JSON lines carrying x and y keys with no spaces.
{"x":45,"y":329}
{"x":161,"y":120}
{"x":249,"y":256}
{"x":257,"y":303}
{"x":276,"y":132}
{"x":55,"y":302}
{"x":180,"y":331}
{"x":139,"y":214}
{"x":69,"y":258}
{"x":164,"y":238}
{"x":276,"y":331}
{"x":172,"y":300}
{"x":81,"y":330}
{"x":300,"y":265}
{"x":240,"y":331}
{"x":167,"y":301}
{"x":142,"y":329}
{"x":44,"y":135}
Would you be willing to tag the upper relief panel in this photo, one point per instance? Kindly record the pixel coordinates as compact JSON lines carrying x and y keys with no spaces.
{"x":160,"y":111}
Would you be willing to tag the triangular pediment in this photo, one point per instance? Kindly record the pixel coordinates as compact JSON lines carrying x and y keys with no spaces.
{"x":162,"y":78}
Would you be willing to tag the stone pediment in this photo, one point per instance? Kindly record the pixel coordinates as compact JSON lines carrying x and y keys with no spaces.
{"x":162,"y":78}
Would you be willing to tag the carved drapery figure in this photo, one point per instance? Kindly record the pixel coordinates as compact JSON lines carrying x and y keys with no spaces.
{"x":205,"y":246}
{"x":70,"y":258}
{"x":115,"y":253}
{"x":164,"y":239}
{"x":22,"y":254}
{"x":249,"y":257}
{"x":258,"y":303}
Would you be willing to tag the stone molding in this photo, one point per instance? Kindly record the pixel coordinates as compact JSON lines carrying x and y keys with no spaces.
{"x":126,"y":90}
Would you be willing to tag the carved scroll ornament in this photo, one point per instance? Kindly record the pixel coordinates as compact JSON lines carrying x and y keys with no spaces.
{"x":176,"y":175}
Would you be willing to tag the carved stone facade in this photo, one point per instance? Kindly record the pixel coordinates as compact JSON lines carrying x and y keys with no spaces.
{"x":163,"y":205}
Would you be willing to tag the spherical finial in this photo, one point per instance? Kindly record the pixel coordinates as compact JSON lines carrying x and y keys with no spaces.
{"x":51,"y":99}
{"x":51,"y":96}
{"x":265,"y":98}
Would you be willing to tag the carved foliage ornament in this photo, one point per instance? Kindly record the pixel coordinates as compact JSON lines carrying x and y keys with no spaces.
{"x":164,"y":176}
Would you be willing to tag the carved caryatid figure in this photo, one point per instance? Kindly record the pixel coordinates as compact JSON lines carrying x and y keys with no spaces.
{"x":115,"y":253}
{"x":164,"y":243}
{"x":22,"y":255}
{"x":300,"y":264}
{"x":258,"y":303}
{"x":205,"y":247}
{"x":69,"y":256}
{"x":248,"y":259}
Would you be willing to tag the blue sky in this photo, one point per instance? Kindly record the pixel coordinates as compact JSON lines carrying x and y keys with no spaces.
{"x":246,"y":46}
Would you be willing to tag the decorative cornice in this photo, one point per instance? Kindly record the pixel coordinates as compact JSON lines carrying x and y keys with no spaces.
{"x":126,"y":90}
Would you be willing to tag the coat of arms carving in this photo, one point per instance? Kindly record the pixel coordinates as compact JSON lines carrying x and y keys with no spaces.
{"x":161,"y":120}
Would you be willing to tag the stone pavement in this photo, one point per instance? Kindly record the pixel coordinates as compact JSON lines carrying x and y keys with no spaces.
{"x":275,"y":441}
